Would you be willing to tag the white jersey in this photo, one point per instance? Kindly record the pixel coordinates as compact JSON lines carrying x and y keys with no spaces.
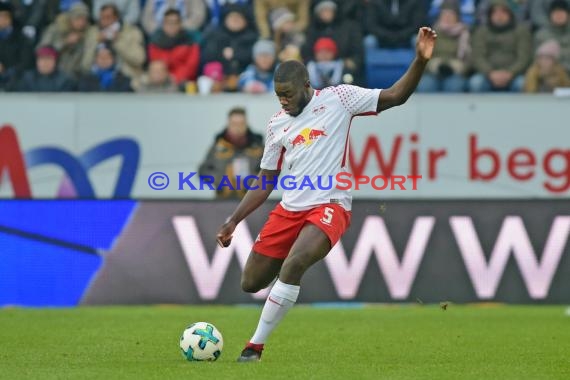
{"x":314,"y":144}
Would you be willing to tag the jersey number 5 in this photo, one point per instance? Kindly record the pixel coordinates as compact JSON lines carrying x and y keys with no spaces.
{"x":328,"y":214}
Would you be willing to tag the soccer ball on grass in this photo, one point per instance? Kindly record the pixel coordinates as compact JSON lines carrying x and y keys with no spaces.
{"x":201,"y":341}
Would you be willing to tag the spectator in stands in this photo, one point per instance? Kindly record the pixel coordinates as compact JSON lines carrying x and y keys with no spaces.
{"x":326,"y":70}
{"x":558,"y":29}
{"x":501,"y":51}
{"x":447,"y":68}
{"x":519,"y":9}
{"x":236,"y":151}
{"x":345,"y":33}
{"x":215,"y":9}
{"x":263,"y":9}
{"x":46,"y":77}
{"x":231,"y":44}
{"x":55,"y":7}
{"x":538,"y":11}
{"x":16,"y":51}
{"x":347,"y":9}
{"x":176,"y":47}
{"x":288,"y":40}
{"x":157,"y":79}
{"x":212,"y":80}
{"x":546,"y":73}
{"x":258,"y":77}
{"x":393,"y":24}
{"x":31,"y":15}
{"x":69,"y":34}
{"x":192,"y":12}
{"x":127,"y":41}
{"x":467,"y":10}
{"x":105,"y":75}
{"x":129,"y":9}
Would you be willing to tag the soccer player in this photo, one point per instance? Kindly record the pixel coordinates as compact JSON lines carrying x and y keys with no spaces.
{"x":309,"y":137}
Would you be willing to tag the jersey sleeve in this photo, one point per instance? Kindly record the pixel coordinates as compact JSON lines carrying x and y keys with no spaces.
{"x":358,"y":100}
{"x":273,"y":151}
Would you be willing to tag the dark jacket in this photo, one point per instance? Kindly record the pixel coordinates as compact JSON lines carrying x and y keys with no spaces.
{"x":91,"y":83}
{"x":218,"y":38}
{"x":394,"y":22}
{"x":16,"y":56}
{"x":33,"y":81}
{"x":220,"y":159}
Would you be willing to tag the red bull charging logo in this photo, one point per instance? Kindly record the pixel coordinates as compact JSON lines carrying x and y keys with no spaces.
{"x":307,"y":136}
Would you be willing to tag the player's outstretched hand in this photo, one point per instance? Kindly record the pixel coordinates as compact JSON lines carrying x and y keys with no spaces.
{"x":224,"y":236}
{"x":425,"y":42}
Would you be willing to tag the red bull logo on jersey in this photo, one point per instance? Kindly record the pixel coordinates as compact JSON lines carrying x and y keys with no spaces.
{"x":307,"y":136}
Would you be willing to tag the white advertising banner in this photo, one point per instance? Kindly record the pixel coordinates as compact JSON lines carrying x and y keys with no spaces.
{"x":107,"y":146}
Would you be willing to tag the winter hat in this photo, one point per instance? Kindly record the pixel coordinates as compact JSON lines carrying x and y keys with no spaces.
{"x":324,"y":5}
{"x":280,"y":16}
{"x":263,"y":47}
{"x":46,"y":51}
{"x":452,"y":5}
{"x":559,"y":5}
{"x":214,"y":70}
{"x":550,"y":48}
{"x":79,"y":9}
{"x":325,"y":43}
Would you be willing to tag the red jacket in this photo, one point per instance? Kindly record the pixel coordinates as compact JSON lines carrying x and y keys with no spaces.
{"x":182,"y":60}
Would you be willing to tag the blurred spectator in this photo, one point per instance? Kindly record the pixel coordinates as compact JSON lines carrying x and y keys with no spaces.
{"x":129,"y":9}
{"x":16,"y":51}
{"x":105,"y":75}
{"x":192,"y":12}
{"x":345,"y":33}
{"x":288,"y":41}
{"x":558,"y":29}
{"x":258,"y":77}
{"x":231,"y":44}
{"x":326,"y":70}
{"x":393,"y":23}
{"x":176,"y":47}
{"x":216,"y":9}
{"x":539,"y":11}
{"x":501,"y":51}
{"x":31,"y":16}
{"x":263,"y":9}
{"x":46,"y":77}
{"x":347,"y":9}
{"x":519,"y":9}
{"x":546,"y":73}
{"x":68,"y":34}
{"x":446,"y":70}
{"x":55,"y":7}
{"x":157,"y":79}
{"x":467,"y":10}
{"x":212,"y":80}
{"x":127,"y":40}
{"x":236,"y":151}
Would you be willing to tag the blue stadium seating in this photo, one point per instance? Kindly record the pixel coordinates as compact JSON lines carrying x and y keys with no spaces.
{"x":385,"y":66}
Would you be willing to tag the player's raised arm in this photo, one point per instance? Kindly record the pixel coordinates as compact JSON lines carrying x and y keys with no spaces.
{"x":399,"y":93}
{"x":260,"y":190}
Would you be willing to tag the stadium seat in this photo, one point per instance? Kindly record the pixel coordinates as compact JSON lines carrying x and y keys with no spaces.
{"x":385,"y":66}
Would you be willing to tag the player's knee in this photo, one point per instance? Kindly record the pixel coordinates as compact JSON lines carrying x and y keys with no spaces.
{"x":249,"y":286}
{"x":293,"y":268}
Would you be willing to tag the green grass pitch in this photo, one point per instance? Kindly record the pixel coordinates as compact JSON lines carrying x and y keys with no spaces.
{"x":376,"y":342}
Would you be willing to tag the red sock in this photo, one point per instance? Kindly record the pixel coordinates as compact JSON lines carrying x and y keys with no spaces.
{"x":256,"y":347}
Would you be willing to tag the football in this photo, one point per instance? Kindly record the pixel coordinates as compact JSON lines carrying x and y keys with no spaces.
{"x":201,"y":341}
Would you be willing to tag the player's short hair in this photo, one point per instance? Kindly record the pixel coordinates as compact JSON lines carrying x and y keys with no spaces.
{"x":291,"y":71}
{"x":237,"y":111}
{"x":172,"y":11}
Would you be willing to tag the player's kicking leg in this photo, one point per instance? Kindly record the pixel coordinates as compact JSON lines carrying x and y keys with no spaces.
{"x":311,"y":246}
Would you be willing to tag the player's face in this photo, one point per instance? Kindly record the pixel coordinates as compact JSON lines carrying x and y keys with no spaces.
{"x":293,"y":98}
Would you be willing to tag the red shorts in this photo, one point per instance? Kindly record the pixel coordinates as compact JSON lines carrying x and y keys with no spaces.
{"x":282,"y":228}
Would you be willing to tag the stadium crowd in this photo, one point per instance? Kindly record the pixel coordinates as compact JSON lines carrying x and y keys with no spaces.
{"x":209,"y":46}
